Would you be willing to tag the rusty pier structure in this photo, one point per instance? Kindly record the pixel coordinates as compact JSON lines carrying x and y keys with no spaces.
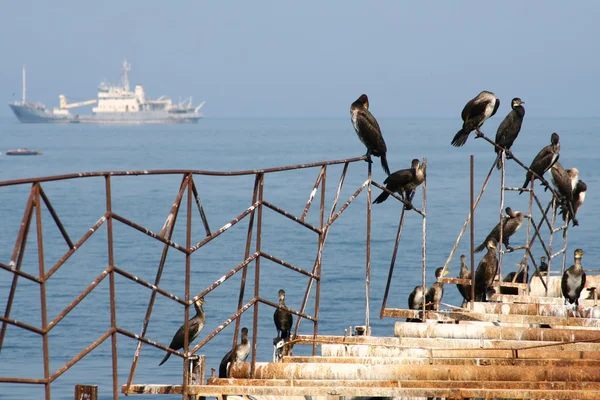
{"x":527,"y":345}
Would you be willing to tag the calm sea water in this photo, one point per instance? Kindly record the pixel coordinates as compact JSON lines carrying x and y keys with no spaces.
{"x":240,"y":144}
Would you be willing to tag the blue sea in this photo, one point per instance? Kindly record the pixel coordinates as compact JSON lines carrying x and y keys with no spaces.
{"x":233,"y":145}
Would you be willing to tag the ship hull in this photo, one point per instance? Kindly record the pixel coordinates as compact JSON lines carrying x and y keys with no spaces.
{"x":30,"y":114}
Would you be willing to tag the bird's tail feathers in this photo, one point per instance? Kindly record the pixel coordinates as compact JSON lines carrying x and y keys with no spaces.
{"x":460,"y":138}
{"x":165,"y":359}
{"x":381,"y":198}
{"x":525,"y":185}
{"x":480,"y":248}
{"x":499,"y":161}
{"x":384,"y":164}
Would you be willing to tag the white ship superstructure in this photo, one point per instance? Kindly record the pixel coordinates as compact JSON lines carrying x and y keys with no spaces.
{"x":115,"y":104}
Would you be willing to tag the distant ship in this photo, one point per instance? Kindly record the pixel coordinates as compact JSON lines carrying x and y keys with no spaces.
{"x":114,"y":105}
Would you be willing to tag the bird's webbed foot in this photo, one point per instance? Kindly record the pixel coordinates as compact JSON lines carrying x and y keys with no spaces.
{"x":509,"y":154}
{"x":408,"y":206}
{"x":575,"y":222}
{"x":478,"y":133}
{"x":368,"y":159}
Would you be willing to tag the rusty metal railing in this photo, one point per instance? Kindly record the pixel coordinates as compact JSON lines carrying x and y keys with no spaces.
{"x":189,"y":194}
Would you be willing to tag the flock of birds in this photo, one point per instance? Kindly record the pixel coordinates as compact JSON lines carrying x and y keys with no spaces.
{"x":282,"y":317}
{"x":570,"y":189}
{"x":405,"y":182}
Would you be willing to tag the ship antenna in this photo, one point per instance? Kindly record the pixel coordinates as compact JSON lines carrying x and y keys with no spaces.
{"x":126,"y":68}
{"x":24,"y":87}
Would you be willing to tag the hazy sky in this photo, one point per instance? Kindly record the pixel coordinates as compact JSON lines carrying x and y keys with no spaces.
{"x":310,"y":58}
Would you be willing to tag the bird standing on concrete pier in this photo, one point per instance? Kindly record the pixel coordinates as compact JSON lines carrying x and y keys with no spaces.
{"x":509,"y":129}
{"x":544,"y":160}
{"x":573,"y":281}
{"x":476,"y":111}
{"x":465,"y":273}
{"x":240,"y":354}
{"x":283,"y":318}
{"x":403,"y":182}
{"x":368,"y":131}
{"x":195,"y":326}
{"x":486,"y":271}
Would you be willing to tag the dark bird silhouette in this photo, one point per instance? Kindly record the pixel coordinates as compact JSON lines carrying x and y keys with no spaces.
{"x":509,"y":129}
{"x":436,"y":291}
{"x":519,"y":276}
{"x":474,"y":114}
{"x":510,"y":224}
{"x":195,"y":326}
{"x":283,"y":318}
{"x":543,"y":266}
{"x":573,"y":280}
{"x":578,"y":199}
{"x":544,"y":160}
{"x":240,"y":352}
{"x":565,"y":182}
{"x":403,"y":182}
{"x":415,"y":301}
{"x":486,"y":271}
{"x":465,"y":273}
{"x":368,"y":131}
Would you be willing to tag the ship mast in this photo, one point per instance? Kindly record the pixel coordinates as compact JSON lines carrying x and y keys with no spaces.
{"x":24,"y":87}
{"x":126,"y":68}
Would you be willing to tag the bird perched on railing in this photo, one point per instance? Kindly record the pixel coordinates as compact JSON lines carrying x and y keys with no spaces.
{"x":565,"y":181}
{"x":283,"y":318}
{"x":544,"y":160}
{"x":240,"y":354}
{"x":474,"y":114}
{"x":195,"y":326}
{"x":510,"y":224}
{"x":509,"y":129}
{"x":465,"y":273}
{"x":436,"y":291}
{"x":368,"y":131}
{"x":415,"y":301}
{"x":578,"y":199}
{"x":486,"y":271}
{"x":404,"y":182}
{"x":573,"y":281}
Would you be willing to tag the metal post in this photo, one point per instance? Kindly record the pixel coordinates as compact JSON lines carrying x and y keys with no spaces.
{"x":472,"y":208}
{"x":111,"y":277}
{"x":500,"y":251}
{"x":40,"y":243}
{"x":424,"y":235}
{"x":188,"y":267}
{"x":393,"y":262}
{"x":257,"y":272}
{"x":318,"y":285}
{"x":368,"y":267}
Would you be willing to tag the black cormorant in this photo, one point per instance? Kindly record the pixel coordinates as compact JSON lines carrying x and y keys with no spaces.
{"x":509,"y":129}
{"x":368,"y":131}
{"x":474,"y":114}
{"x":544,"y":160}
{"x":543,"y":266}
{"x":283,"y":318}
{"x":240,"y":352}
{"x":486,"y":271}
{"x":465,"y":273}
{"x":415,"y":301}
{"x":195,"y":326}
{"x":565,"y":181}
{"x":404,"y":182}
{"x":511,"y":224}
{"x":521,"y":277}
{"x":436,"y":291}
{"x":578,"y":199}
{"x":573,"y":280}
